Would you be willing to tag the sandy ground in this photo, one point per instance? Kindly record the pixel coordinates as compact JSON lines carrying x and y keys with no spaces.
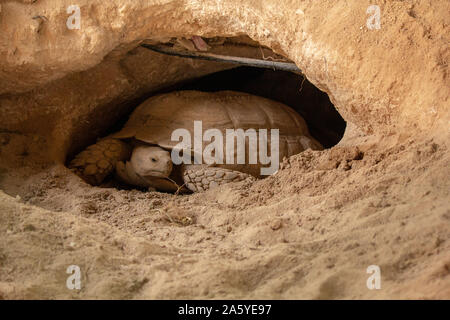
{"x":308,"y":232}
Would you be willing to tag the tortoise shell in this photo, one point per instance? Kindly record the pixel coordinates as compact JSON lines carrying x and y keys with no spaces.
{"x":155,"y":119}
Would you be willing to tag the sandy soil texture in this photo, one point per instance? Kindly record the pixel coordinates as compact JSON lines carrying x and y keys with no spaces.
{"x":379,"y":197}
{"x":310,"y":231}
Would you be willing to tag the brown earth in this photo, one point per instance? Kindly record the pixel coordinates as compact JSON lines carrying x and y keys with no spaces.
{"x":380,"y":197}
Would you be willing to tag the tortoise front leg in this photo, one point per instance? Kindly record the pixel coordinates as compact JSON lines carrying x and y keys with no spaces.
{"x":99,"y":160}
{"x":203,"y":177}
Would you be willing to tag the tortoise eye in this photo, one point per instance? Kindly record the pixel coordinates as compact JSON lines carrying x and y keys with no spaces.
{"x":153,"y":160}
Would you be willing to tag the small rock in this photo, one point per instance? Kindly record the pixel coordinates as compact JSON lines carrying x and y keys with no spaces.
{"x":276,"y":225}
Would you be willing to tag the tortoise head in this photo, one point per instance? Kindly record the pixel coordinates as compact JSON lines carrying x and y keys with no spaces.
{"x":151,"y":161}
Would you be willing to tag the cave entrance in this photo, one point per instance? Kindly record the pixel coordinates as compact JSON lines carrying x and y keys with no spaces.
{"x":324,"y":122}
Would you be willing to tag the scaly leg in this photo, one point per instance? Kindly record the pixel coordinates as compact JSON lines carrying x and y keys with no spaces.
{"x":99,"y":160}
{"x":199,"y":178}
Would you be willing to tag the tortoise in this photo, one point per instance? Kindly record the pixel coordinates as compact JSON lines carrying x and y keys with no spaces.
{"x":140,"y":153}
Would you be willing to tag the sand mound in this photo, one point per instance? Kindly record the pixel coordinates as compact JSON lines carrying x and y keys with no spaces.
{"x":379,"y":197}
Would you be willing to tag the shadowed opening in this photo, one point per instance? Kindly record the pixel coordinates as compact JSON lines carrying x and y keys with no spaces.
{"x":292,"y":89}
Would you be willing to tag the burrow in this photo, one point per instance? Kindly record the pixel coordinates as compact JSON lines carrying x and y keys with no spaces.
{"x":289,"y":87}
